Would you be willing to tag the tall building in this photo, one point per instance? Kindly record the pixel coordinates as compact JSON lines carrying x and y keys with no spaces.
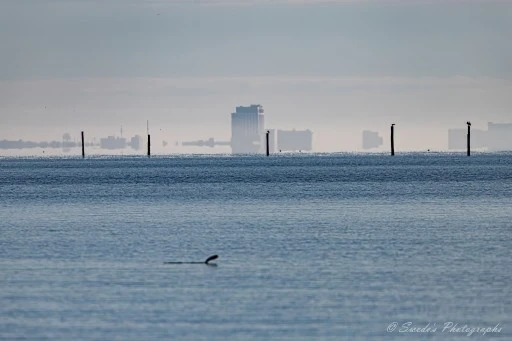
{"x":247,"y":130}
{"x":248,"y":135}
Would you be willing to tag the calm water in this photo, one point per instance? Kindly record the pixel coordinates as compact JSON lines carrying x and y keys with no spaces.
{"x":319,"y":247}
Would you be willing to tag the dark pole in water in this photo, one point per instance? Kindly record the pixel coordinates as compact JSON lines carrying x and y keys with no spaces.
{"x":469,"y":137}
{"x":392,"y":139}
{"x":149,"y":145}
{"x":268,"y":143}
{"x":83,"y":148}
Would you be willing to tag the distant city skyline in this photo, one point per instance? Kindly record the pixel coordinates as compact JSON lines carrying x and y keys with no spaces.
{"x":498,"y":137}
{"x":335,"y":67}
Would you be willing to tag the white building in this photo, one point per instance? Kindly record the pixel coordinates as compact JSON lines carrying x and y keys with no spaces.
{"x":247,"y":130}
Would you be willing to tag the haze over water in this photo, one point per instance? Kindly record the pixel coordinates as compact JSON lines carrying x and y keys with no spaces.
{"x":336,"y":67}
{"x":323,"y":246}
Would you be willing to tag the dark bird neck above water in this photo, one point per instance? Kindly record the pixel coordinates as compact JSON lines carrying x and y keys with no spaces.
{"x":211,"y":258}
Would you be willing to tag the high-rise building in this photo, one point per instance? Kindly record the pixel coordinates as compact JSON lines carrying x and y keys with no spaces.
{"x":248,"y":135}
{"x":247,"y":130}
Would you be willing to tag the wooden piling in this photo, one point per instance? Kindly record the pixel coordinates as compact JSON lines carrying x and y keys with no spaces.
{"x":469,"y":138}
{"x":268,"y":143}
{"x":83,"y":146}
{"x":392,"y":139}
{"x":149,"y":145}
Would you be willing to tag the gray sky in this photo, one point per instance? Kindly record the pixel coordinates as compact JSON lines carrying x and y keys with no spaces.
{"x":336,"y":67}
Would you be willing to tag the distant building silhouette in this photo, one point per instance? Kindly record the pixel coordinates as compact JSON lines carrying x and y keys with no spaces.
{"x":206,"y":143}
{"x":371,"y":139}
{"x":247,"y":129}
{"x":136,"y":142}
{"x":66,"y":144}
{"x":457,"y":138}
{"x":248,"y":135}
{"x":20,"y":144}
{"x":294,"y":140}
{"x":497,"y":137}
{"x":112,"y":142}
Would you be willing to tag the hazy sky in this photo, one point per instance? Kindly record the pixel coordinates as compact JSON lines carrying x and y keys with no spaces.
{"x":335,"y":67}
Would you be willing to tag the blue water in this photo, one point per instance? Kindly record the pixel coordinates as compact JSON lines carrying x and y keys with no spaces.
{"x":312,"y":247}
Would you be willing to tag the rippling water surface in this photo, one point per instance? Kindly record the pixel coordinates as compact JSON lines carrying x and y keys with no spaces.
{"x":323,"y":247}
